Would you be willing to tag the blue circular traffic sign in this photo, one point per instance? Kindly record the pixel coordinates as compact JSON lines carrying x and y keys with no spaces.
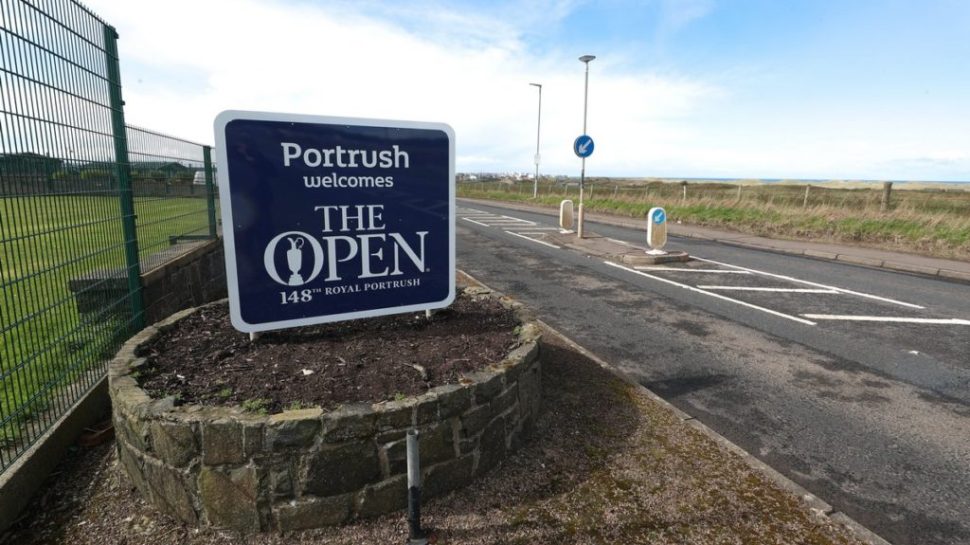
{"x":659,"y":216}
{"x":583,"y":146}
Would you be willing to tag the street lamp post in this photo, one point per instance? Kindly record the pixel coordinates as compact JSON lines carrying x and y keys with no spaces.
{"x":582,"y":176}
{"x":535,"y":183}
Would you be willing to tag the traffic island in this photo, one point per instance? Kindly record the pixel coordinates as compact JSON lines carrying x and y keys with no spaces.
{"x":614,"y":250}
{"x":265,"y":463}
{"x":643,"y":258}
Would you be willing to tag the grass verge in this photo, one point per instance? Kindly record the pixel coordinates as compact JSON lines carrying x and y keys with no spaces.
{"x":45,"y":343}
{"x":926,"y":222}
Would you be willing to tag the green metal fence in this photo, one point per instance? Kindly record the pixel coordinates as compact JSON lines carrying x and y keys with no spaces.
{"x":86,"y":205}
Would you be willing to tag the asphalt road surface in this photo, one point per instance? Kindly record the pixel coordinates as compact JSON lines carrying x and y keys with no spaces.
{"x":853,"y":382}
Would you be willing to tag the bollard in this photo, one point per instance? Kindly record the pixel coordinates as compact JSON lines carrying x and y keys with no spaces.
{"x":566,"y":216}
{"x":416,"y":536}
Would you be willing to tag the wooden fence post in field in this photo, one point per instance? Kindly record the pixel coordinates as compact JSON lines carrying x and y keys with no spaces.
{"x":887,"y":189}
{"x":739,"y":192}
{"x":684,"y":185}
{"x":805,"y":202}
{"x":615,"y":189}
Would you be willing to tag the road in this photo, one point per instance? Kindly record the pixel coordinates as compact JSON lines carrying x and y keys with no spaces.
{"x":853,"y":382}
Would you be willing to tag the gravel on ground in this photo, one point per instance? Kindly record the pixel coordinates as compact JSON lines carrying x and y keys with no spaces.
{"x":607,"y":464}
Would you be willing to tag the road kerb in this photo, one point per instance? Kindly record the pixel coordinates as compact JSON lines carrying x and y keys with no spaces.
{"x":909,"y":267}
{"x":955,"y":275}
{"x":813,"y":502}
{"x":859,"y":260}
{"x":821,"y":254}
{"x":859,"y":530}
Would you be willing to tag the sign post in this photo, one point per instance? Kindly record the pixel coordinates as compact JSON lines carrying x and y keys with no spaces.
{"x":583,"y":147}
{"x":535,"y":182}
{"x":328,"y":219}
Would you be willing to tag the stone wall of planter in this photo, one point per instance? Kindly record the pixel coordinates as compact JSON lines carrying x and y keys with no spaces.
{"x":224,"y":467}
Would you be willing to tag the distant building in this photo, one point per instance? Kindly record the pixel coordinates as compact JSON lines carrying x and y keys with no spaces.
{"x":167,"y":167}
{"x":29,"y":164}
{"x":27,"y":173}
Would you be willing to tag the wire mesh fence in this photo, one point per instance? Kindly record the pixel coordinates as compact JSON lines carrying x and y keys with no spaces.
{"x":86,"y":204}
{"x":173,"y":201}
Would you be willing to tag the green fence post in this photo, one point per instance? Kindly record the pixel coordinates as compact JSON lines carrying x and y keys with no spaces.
{"x":123,"y":171}
{"x":210,"y":189}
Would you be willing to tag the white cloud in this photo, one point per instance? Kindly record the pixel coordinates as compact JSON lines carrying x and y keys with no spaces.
{"x":184,"y":61}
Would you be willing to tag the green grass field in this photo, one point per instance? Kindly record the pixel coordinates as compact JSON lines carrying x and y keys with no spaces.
{"x":929,"y":221}
{"x":49,"y":352}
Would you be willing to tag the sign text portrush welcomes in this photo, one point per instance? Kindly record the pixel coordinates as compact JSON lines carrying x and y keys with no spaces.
{"x":329,"y":219}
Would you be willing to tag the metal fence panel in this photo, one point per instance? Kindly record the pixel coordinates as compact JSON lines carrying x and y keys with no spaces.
{"x":65,"y":297}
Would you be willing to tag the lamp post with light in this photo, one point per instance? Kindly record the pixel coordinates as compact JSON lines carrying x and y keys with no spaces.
{"x":535,"y":183}
{"x":582,"y":176}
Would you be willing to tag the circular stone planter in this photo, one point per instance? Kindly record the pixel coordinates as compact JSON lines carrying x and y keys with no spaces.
{"x":224,"y":467}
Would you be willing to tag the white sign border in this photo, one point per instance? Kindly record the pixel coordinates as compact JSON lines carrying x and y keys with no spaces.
{"x":228,"y":233}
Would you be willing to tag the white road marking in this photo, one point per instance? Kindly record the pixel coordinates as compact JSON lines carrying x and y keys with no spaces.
{"x":675,"y":269}
{"x":817,"y":285}
{"x":715,"y":295}
{"x":772,"y":290}
{"x":475,"y":222}
{"x":518,"y":219}
{"x":505,"y":223}
{"x":540,"y":233}
{"x":541,"y":228}
{"x":533,"y":240}
{"x":895,"y":319}
{"x":619,"y":241}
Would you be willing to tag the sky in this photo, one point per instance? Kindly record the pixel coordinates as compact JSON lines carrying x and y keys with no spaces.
{"x":807,"y":89}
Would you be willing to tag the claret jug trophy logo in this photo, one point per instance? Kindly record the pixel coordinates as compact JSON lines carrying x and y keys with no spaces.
{"x":294,"y":260}
{"x":293,"y":249}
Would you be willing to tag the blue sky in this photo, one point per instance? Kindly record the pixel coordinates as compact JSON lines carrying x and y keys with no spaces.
{"x":850,"y":89}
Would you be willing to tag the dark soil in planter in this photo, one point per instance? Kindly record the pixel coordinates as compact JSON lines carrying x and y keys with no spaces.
{"x":204,"y":360}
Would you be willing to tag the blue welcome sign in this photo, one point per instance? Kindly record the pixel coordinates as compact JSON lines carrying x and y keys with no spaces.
{"x":327,"y":219}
